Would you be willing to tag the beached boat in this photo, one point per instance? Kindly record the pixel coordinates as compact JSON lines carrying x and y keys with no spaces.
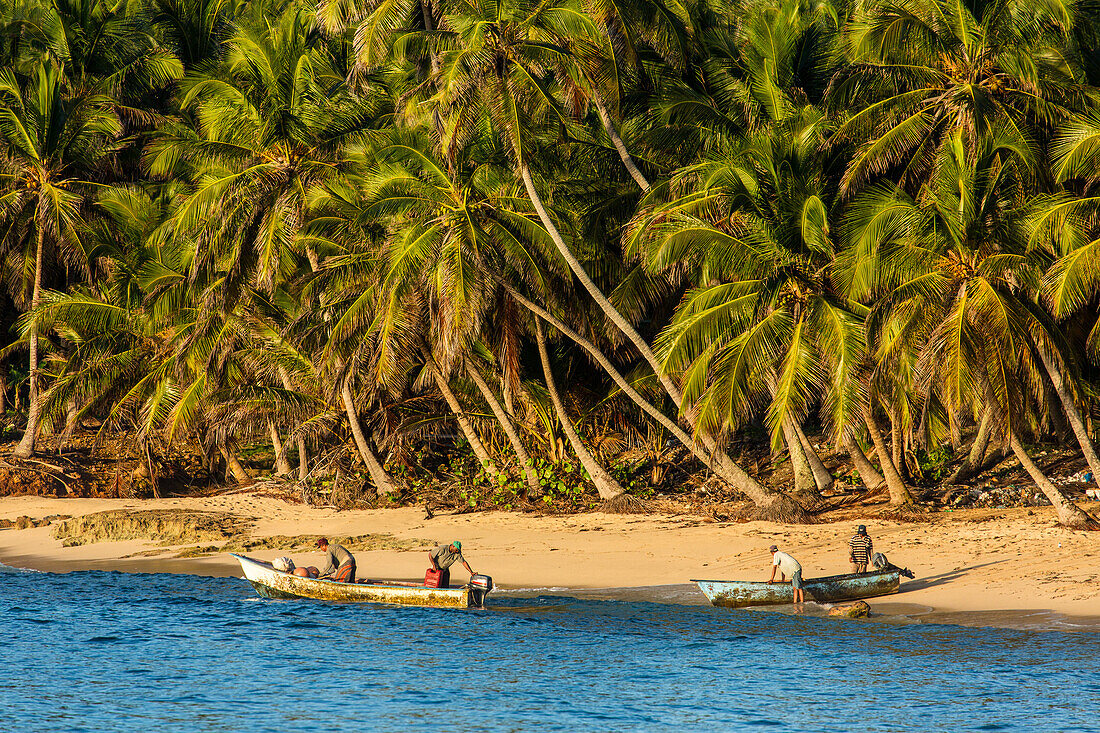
{"x":272,"y":583}
{"x":740,"y":593}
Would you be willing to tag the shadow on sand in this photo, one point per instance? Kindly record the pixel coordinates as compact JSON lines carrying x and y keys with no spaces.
{"x":943,"y":578}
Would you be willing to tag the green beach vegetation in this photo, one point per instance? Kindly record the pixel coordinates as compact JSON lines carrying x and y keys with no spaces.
{"x":552,"y":229}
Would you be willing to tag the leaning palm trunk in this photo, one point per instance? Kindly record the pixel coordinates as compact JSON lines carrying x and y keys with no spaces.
{"x":282,"y":466}
{"x":25,"y":449}
{"x":233,"y":463}
{"x":534,"y":488}
{"x":871,"y":478}
{"x":464,"y":424}
{"x":822,"y":477}
{"x":973,"y":462}
{"x":377,"y":473}
{"x":1073,"y":415}
{"x":601,"y":300}
{"x":899,"y":492}
{"x":772,"y":504}
{"x":803,"y":477}
{"x":620,"y":146}
{"x":1069,"y":514}
{"x":607,"y":486}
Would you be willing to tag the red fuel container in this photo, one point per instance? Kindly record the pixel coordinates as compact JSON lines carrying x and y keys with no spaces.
{"x":432,"y":577}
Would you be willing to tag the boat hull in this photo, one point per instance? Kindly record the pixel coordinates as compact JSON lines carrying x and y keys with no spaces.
{"x":272,"y":583}
{"x":741,"y":593}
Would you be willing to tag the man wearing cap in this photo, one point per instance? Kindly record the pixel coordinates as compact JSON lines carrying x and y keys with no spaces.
{"x":859,"y":550}
{"x":443,"y":557}
{"x":787,"y":565}
{"x":340,"y":563}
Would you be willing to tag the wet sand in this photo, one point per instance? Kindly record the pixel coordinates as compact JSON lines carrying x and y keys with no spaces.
{"x":1008,"y":567}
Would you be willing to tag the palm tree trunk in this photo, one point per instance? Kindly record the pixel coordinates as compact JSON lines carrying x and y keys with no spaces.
{"x":955,"y":431}
{"x":1069,"y":514}
{"x":282,"y":465}
{"x":25,"y":449}
{"x":1072,"y":413}
{"x":774,"y":504}
{"x":303,"y":452}
{"x":899,"y":492}
{"x":233,"y":463}
{"x":973,"y":461}
{"x":534,"y":488}
{"x":620,"y":146}
{"x":803,"y":477}
{"x":601,"y":300}
{"x":464,"y":424}
{"x":607,"y":486}
{"x":897,"y":451}
{"x":871,"y":478}
{"x":382,"y":483}
{"x":71,"y":412}
{"x":822,"y":477}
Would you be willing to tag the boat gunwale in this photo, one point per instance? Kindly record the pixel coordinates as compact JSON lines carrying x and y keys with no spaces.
{"x":822,"y":579}
{"x":326,"y":581}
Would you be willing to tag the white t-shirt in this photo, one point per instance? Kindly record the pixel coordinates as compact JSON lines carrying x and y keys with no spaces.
{"x":787,"y":564}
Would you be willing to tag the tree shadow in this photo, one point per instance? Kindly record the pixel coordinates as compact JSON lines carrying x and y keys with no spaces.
{"x":943,"y":578}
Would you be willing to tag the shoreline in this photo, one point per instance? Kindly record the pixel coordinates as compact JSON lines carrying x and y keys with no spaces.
{"x":1009,"y":568}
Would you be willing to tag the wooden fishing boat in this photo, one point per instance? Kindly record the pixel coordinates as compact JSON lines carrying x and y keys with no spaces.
{"x":740,"y":593}
{"x":272,"y":583}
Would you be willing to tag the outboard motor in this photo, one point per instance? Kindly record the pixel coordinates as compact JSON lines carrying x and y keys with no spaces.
{"x":480,"y":585}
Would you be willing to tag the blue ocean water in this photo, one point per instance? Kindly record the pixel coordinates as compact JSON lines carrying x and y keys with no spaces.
{"x":103,"y":651}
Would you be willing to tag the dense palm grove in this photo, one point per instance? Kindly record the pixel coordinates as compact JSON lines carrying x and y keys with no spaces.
{"x":348,"y":230}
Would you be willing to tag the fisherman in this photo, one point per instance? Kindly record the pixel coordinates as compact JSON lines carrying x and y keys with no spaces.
{"x":859,"y":550}
{"x":340,"y":563}
{"x":787,"y":565}
{"x":443,"y":557}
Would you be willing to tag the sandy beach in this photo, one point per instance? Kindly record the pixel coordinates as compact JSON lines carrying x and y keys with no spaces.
{"x":982,"y":562}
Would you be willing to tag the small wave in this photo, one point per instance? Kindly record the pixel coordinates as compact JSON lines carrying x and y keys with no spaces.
{"x":544,"y":589}
{"x":9,"y":569}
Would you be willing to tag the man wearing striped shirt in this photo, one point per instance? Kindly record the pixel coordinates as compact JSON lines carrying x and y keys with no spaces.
{"x":860,"y":548}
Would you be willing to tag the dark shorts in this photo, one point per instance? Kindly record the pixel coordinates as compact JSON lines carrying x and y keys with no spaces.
{"x":345,"y":573}
{"x":796,"y":580}
{"x":445,"y":578}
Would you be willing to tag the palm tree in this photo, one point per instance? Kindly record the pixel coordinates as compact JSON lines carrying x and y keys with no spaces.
{"x":51,"y":141}
{"x":502,"y":50}
{"x":449,"y":236}
{"x":272,"y":124}
{"x":954,"y":271}
{"x":967,"y":68}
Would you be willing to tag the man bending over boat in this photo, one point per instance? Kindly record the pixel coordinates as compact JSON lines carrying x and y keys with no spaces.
{"x":787,"y":565}
{"x":443,"y":557}
{"x":340,"y":563}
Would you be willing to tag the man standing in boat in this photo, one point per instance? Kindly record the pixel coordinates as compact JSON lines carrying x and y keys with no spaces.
{"x":443,"y":557}
{"x":787,"y":565}
{"x":860,"y":548}
{"x":340,"y":563}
